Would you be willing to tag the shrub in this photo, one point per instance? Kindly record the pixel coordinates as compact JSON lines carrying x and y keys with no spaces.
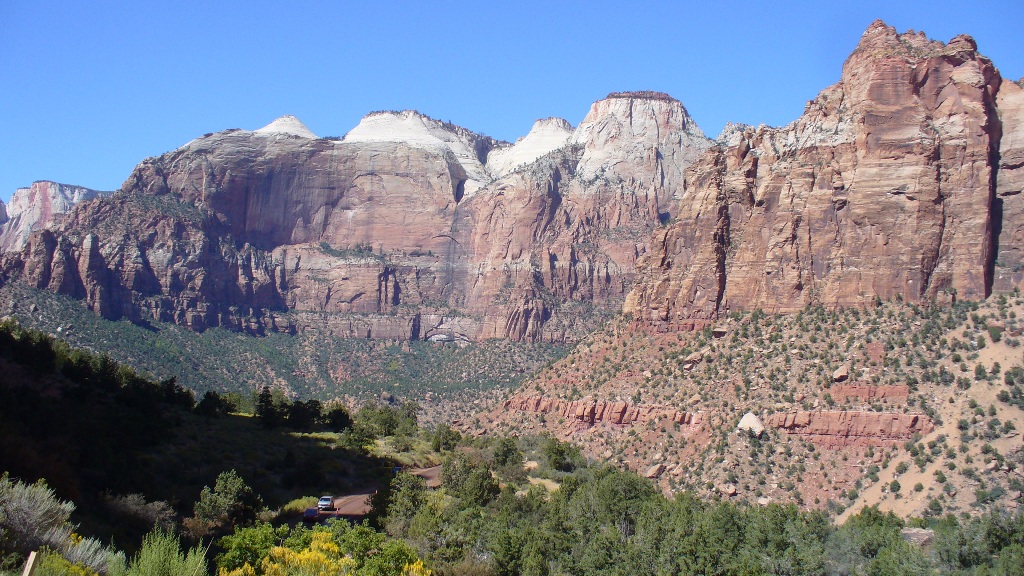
{"x":33,"y":518}
{"x":228,"y":504}
{"x":161,"y":555}
{"x":445,"y":438}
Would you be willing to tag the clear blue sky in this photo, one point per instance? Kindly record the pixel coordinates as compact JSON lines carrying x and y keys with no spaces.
{"x":88,"y":89}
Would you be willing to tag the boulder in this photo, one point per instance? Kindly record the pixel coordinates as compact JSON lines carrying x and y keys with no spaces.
{"x":841,"y":374}
{"x":918,"y":536}
{"x":751,"y":424}
{"x":654,"y":471}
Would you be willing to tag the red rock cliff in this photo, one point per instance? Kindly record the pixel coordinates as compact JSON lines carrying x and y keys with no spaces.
{"x":890,"y":184}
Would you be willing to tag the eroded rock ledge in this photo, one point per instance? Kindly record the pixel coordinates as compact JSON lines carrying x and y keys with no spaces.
{"x":870,"y":392}
{"x":595,"y":412}
{"x":825,"y":428}
{"x":838,"y":429}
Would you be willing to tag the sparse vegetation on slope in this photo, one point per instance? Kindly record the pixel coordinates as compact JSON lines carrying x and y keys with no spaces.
{"x":954,"y":368}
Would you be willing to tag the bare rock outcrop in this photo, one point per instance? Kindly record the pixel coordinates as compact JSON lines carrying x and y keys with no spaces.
{"x":41,"y":205}
{"x":590,"y":412}
{"x":902,"y":180}
{"x":870,"y":392}
{"x":838,"y":429}
{"x":399,"y":230}
{"x":1009,"y":201}
{"x":751,"y":424}
{"x":884,"y":187}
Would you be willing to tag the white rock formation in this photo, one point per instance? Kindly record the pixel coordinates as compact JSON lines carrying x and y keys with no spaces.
{"x":547,"y":135}
{"x":630,"y":133}
{"x":417,"y":130}
{"x":752,"y":424}
{"x":288,"y":125}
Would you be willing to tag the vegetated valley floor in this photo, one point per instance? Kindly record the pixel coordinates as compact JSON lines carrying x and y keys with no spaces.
{"x":959,"y":368}
{"x":941,"y":390}
{"x":449,"y":381}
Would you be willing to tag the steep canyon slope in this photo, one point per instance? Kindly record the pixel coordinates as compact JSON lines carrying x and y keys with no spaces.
{"x":902,"y":180}
{"x":407,"y":228}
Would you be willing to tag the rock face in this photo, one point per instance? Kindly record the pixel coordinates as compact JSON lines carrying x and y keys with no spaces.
{"x":870,"y":392}
{"x":591,"y":412}
{"x":546,"y":136}
{"x":838,"y":429}
{"x":406,"y":228}
{"x":1009,"y":184}
{"x":41,"y":205}
{"x":901,"y":180}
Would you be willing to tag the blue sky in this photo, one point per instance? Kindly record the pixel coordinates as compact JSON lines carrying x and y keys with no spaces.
{"x":89,"y":89}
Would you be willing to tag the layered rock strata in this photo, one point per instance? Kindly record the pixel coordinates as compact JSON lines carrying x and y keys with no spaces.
{"x":41,"y":205}
{"x":590,"y":412}
{"x":826,"y":428}
{"x":839,"y":429}
{"x":870,"y":392}
{"x":402,"y":229}
{"x":899,"y":181}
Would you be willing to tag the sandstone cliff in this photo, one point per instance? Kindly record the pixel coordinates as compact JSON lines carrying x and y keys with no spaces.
{"x":899,"y":181}
{"x":41,"y":205}
{"x":902,"y":180}
{"x":406,"y":228}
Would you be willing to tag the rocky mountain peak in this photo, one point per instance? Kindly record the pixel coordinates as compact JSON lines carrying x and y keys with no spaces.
{"x":287,"y":125}
{"x":901,"y":146}
{"x":418,"y":130}
{"x":731,"y":133}
{"x":883,"y":41}
{"x":547,"y":134}
{"x":636,"y":125}
{"x":39,"y":206}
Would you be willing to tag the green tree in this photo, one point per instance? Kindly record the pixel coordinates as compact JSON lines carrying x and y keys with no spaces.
{"x":338,"y":418}
{"x":445,"y":438}
{"x":376,"y":421}
{"x":267,"y":413}
{"x":406,"y":498}
{"x":560,"y":455}
{"x":303,"y":415}
{"x":212,"y":405}
{"x":230,"y":503}
{"x":472,"y":482}
{"x":480,"y":487}
{"x":507,"y":452}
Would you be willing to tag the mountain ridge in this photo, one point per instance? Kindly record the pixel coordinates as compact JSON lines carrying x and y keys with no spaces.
{"x":400,"y":230}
